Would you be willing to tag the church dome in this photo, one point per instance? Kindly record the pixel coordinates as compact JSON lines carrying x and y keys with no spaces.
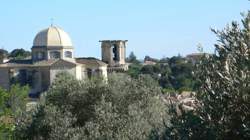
{"x":52,"y":37}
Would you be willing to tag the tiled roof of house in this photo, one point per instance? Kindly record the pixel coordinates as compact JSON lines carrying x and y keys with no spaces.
{"x":17,"y":63}
{"x":29,"y":63}
{"x":90,"y":61}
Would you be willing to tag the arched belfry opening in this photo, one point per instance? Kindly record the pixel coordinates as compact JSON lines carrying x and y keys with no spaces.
{"x":115,"y":49}
{"x":114,"y":53}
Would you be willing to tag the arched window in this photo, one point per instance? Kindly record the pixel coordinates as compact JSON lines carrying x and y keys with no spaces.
{"x":55,"y":55}
{"x":68,"y":54}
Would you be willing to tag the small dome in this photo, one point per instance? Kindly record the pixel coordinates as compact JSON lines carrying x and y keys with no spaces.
{"x":52,"y":36}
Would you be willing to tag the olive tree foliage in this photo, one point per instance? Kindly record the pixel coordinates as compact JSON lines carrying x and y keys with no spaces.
{"x":123,"y":108}
{"x":12,"y":107}
{"x":224,"y":93}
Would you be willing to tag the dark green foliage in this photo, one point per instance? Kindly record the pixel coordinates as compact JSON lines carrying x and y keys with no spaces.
{"x":171,"y":73}
{"x":188,"y":126}
{"x":12,"y":107}
{"x":134,"y":70}
{"x":19,"y":54}
{"x":125,"y":108}
{"x":181,"y":73}
{"x":46,"y":122}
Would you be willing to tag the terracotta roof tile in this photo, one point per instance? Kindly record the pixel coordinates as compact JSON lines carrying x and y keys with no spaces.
{"x":90,"y":61}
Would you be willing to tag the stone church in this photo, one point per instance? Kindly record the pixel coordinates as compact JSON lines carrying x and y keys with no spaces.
{"x":52,"y":53}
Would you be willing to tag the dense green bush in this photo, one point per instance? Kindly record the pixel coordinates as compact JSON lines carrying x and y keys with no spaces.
{"x":125,"y":108}
{"x":12,"y":107}
{"x":171,"y":73}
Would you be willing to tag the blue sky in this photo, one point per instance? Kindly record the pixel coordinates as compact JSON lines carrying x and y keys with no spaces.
{"x":153,"y":27}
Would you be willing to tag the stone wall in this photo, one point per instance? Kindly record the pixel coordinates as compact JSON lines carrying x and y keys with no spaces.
{"x":45,"y":75}
{"x":54,"y":71}
{"x":4,"y":78}
{"x":106,"y":53}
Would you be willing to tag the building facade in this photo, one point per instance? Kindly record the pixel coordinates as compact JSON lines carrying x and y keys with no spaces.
{"x":52,"y":53}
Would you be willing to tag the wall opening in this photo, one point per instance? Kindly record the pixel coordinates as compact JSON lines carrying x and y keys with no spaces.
{"x":115,"y":53}
{"x":55,"y":55}
{"x":68,"y":54}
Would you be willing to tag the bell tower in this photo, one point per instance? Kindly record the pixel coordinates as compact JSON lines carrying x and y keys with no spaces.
{"x":114,"y":53}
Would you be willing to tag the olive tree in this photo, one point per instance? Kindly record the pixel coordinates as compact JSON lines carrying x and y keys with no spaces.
{"x":123,"y":108}
{"x":224,"y":93}
{"x":12,"y":108}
